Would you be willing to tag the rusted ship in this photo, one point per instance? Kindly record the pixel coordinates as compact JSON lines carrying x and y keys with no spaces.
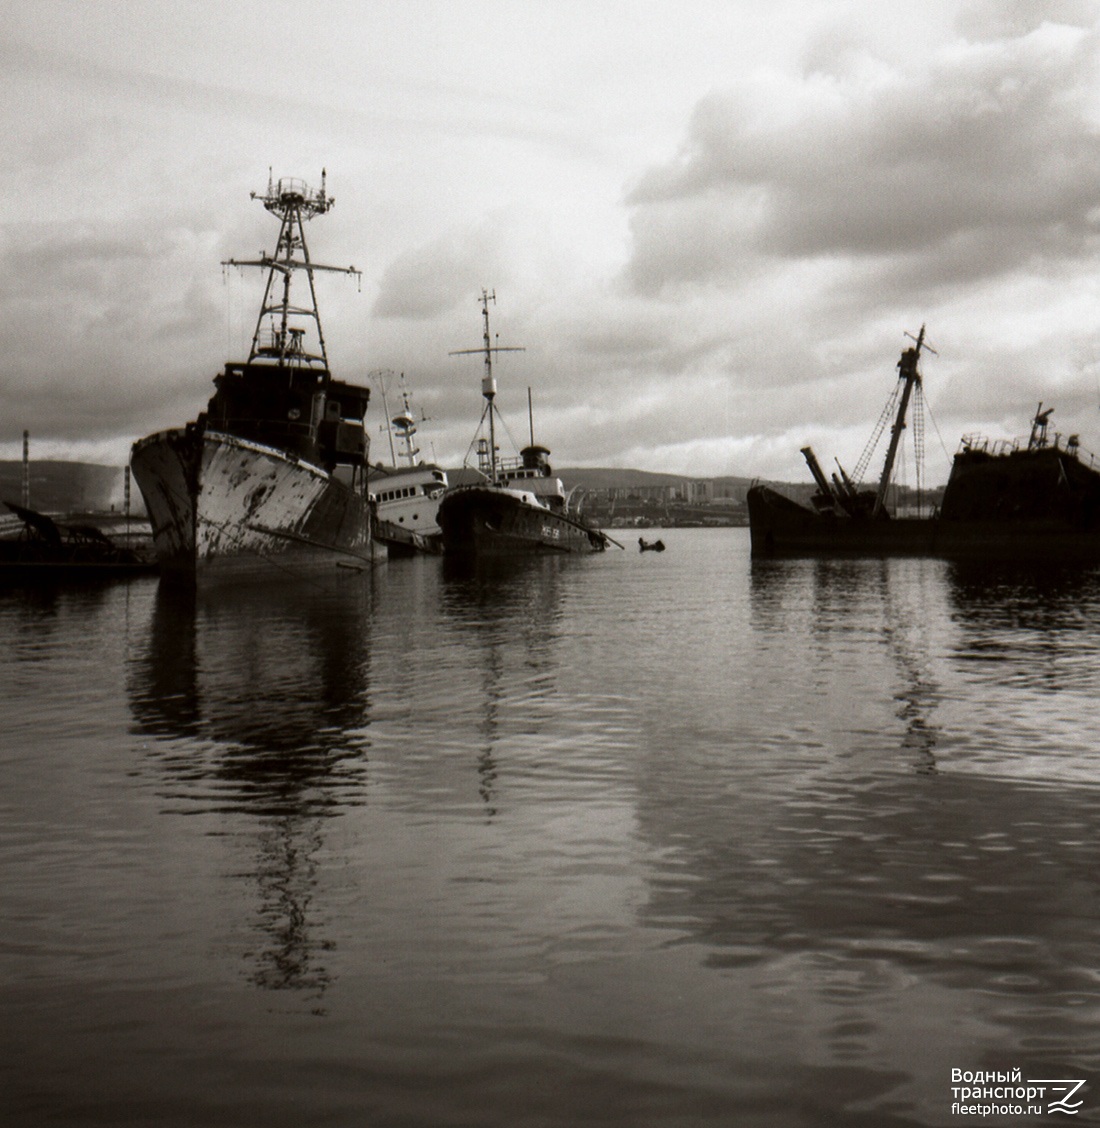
{"x":272,"y":478}
{"x":47,"y":550}
{"x":520,"y":507}
{"x":1003,"y":501}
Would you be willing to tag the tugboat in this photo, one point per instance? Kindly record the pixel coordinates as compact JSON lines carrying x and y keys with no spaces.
{"x":520,"y":507}
{"x":406,"y":497}
{"x":1004,"y":501}
{"x":272,"y":478}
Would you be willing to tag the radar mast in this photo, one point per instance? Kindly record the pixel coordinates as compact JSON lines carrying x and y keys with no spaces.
{"x":279,"y":334}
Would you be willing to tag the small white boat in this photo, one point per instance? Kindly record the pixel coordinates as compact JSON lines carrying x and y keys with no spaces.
{"x":406,"y":496}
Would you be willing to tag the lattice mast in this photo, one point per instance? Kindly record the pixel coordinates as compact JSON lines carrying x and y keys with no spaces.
{"x":294,"y":203}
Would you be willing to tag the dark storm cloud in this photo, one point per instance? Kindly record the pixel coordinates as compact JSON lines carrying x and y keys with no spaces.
{"x":102,"y":317}
{"x":991,"y":148}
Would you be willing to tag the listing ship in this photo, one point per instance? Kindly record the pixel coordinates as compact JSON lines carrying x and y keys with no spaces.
{"x":406,"y":495}
{"x":272,"y":478}
{"x":520,"y":507}
{"x":1003,"y":500}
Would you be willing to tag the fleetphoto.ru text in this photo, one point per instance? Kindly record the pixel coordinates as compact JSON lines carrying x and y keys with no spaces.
{"x":992,"y":1092}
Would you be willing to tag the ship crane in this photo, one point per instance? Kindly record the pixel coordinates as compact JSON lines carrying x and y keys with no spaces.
{"x":1038,"y":437}
{"x":907,"y":369}
{"x":843,"y":493}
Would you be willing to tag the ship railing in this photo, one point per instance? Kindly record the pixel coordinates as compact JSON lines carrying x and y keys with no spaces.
{"x":982,"y":444}
{"x":1069,"y":445}
{"x":294,"y":188}
{"x":1072,"y":446}
{"x":271,"y":342}
{"x":1074,"y":449}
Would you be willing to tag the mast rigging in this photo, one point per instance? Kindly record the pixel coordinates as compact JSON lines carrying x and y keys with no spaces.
{"x":488,"y":381}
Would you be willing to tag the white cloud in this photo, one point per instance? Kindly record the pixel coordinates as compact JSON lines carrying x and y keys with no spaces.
{"x":996,"y":142}
{"x":708,"y":225}
{"x":824,"y":211}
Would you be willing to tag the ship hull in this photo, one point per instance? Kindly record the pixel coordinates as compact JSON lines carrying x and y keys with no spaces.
{"x":406,"y":510}
{"x":400,"y":541}
{"x":781,"y":528}
{"x":488,"y":521}
{"x":223,"y":506}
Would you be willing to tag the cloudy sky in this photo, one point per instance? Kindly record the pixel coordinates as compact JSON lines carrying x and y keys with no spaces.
{"x":709,"y":222}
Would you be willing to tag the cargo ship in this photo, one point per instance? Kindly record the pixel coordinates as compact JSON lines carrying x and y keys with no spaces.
{"x":271,"y":479}
{"x":1004,"y":500}
{"x":520,"y":506}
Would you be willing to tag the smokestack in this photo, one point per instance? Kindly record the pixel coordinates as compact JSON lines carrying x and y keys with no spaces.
{"x":26,"y":469}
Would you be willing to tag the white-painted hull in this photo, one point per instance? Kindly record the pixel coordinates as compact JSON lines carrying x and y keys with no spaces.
{"x":414,"y":514}
{"x":224,"y":506}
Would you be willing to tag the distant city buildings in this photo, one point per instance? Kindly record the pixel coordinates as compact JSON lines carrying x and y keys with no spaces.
{"x":693,"y":491}
{"x":679,"y":501}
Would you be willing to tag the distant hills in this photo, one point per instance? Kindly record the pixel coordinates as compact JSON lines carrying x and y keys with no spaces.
{"x":58,"y":486}
{"x":68,"y":487}
{"x":595,"y":478}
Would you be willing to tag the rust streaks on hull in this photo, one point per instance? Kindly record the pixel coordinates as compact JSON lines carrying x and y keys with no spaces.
{"x":220,"y":504}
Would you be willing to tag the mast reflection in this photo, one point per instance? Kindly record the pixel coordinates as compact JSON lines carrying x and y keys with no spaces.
{"x":259,"y":703}
{"x":823,"y":597}
{"x":511,"y":608}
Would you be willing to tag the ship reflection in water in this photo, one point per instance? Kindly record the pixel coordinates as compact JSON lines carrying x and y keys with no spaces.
{"x":956,"y":859}
{"x":505,"y":609}
{"x":258,"y":700}
{"x":843,"y":602}
{"x":1027,"y":626}
{"x":642,"y":839}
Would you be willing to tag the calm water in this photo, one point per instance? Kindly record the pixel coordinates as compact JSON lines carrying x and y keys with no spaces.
{"x":640,"y":840}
